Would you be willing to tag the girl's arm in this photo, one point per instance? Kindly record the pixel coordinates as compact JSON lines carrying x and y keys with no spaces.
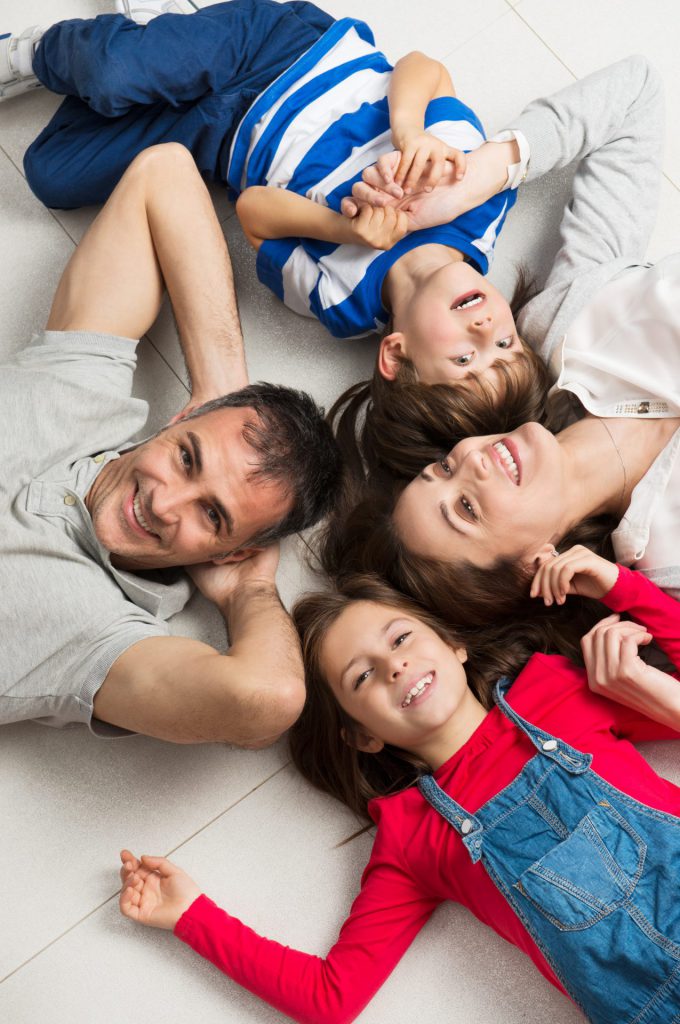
{"x":266,"y":212}
{"x":385,"y":918}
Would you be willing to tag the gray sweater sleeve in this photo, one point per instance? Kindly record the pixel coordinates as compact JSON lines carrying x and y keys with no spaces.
{"x":610,"y":123}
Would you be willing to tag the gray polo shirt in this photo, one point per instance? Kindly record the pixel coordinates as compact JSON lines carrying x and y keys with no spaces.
{"x":66,"y":613}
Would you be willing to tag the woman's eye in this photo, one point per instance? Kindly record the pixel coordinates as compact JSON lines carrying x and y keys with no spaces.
{"x":445,"y":466}
{"x":463,"y":360}
{"x":185,"y":457}
{"x":361,"y":679}
{"x":467,"y":510}
{"x":504,"y":343}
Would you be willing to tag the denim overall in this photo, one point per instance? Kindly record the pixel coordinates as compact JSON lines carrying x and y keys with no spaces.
{"x":593,"y":874}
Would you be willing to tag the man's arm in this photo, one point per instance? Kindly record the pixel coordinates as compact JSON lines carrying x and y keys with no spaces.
{"x":184,"y":691}
{"x":159,"y":228}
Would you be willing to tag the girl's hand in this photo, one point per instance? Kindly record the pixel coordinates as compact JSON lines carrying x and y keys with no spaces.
{"x":423,"y":159}
{"x":379,"y":228}
{"x":614,"y":667}
{"x":155,"y":892}
{"x":576,"y":571}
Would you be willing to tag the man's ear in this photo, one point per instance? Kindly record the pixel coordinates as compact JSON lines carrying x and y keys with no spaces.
{"x":362,"y":741}
{"x":390,"y":355}
{"x":235,"y":556}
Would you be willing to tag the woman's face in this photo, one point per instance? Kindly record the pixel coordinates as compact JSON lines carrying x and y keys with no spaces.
{"x":491,"y":497}
{"x":394,"y":675}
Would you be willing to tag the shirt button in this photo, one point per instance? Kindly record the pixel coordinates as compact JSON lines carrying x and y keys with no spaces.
{"x":99,"y":458}
{"x":69,"y":499}
{"x":550,"y":745}
{"x":466,"y":827}
{"x":643,"y":408}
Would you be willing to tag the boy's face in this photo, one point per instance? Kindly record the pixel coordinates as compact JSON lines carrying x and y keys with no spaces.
{"x":457,"y":323}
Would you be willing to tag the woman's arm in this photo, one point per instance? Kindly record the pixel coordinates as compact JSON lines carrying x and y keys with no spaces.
{"x":385,"y":918}
{"x":611,"y":122}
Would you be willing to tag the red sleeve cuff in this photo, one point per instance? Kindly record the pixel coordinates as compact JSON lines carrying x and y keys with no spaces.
{"x":624,"y":592}
{"x":189,"y":924}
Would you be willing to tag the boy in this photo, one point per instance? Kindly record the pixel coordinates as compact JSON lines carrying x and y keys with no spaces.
{"x":289,"y":108}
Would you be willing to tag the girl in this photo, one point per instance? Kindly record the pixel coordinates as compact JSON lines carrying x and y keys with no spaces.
{"x":538,"y":814}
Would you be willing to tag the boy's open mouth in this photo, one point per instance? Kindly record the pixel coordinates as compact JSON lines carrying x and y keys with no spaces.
{"x":469,"y":300}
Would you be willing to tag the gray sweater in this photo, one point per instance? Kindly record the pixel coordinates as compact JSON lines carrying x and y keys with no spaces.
{"x":611,"y":123}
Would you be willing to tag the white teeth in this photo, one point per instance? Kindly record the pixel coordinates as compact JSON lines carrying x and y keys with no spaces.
{"x":416,"y":690}
{"x":474,"y":301}
{"x":139,"y":516}
{"x":507,"y":459}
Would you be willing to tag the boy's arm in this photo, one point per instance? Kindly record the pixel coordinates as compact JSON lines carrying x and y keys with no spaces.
{"x":266,"y":213}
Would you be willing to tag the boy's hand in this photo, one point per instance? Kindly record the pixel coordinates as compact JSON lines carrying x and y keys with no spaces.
{"x":379,"y":228}
{"x":576,"y":571}
{"x":423,"y":161}
{"x":155,"y":892}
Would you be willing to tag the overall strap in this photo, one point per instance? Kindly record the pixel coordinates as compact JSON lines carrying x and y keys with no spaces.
{"x":468,"y":827}
{"x":572,"y":760}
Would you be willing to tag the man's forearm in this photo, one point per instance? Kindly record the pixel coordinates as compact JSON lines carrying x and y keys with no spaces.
{"x":196,"y":268}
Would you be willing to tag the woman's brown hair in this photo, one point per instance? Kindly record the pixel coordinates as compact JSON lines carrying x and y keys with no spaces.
{"x":321,"y":740}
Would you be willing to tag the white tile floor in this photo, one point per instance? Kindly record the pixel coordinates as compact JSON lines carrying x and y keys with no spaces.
{"x":255,"y":836}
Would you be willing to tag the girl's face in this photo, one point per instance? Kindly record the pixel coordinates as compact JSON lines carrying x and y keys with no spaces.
{"x":491,"y":497}
{"x":399,"y":680}
{"x":456,"y":323}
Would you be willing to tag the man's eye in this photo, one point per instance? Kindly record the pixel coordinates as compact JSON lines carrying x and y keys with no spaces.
{"x":185,"y":457}
{"x":466,"y":509}
{"x":463,"y":360}
{"x":361,"y":679}
{"x":214,"y":517}
{"x":505,"y":343}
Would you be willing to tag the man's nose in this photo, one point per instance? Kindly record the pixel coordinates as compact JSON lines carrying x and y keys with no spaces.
{"x":165,"y":502}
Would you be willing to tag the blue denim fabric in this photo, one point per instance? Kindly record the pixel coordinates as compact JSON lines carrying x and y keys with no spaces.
{"x":592,"y":874}
{"x":185,"y":78}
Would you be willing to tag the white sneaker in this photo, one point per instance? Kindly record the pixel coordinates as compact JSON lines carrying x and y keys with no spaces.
{"x":16,"y":62}
{"x":142,"y":11}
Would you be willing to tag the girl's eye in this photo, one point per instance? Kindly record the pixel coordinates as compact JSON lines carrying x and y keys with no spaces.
{"x":467,"y":510}
{"x":504,"y":343}
{"x":400,"y":639}
{"x":185,"y":457}
{"x":463,"y":360}
{"x":361,"y":679}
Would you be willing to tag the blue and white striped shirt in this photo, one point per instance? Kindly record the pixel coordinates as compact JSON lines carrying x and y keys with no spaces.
{"x":314,"y":131}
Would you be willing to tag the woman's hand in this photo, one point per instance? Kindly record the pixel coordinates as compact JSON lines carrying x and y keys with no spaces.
{"x":576,"y":571}
{"x":155,"y":892}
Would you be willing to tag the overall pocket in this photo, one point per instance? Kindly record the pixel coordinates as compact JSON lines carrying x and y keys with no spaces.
{"x":588,"y":875}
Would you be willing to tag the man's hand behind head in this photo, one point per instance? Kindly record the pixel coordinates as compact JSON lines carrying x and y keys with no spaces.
{"x":220,"y":582}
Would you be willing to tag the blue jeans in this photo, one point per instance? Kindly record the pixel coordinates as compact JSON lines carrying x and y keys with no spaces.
{"x":182,"y":78}
{"x":592,"y":874}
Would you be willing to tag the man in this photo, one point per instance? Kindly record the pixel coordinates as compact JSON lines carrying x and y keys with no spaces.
{"x":93,"y":525}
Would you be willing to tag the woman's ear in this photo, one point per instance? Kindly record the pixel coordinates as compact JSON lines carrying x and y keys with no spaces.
{"x":390,"y":354}
{"x":362,"y":741}
{"x":545,"y":552}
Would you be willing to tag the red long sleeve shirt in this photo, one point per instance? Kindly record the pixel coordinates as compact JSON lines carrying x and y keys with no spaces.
{"x":418,"y":860}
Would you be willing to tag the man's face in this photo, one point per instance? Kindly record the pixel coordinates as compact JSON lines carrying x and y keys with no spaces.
{"x":189,"y":495}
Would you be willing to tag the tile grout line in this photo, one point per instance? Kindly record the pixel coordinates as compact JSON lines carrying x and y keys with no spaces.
{"x":99,"y":907}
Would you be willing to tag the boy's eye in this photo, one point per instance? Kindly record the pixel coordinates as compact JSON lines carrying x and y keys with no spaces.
{"x":466,"y":509}
{"x":463,"y":360}
{"x":504,"y":342}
